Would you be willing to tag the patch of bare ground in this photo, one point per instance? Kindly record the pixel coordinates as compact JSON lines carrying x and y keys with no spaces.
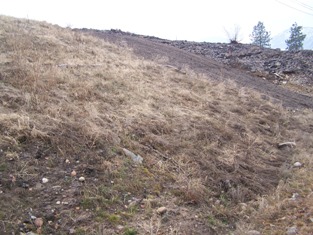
{"x":70,"y":106}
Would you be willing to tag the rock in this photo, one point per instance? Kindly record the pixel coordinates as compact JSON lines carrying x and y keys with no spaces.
{"x":292,"y":230}
{"x":120,"y":227}
{"x":287,"y":144}
{"x":134,"y":157}
{"x":297,"y":164}
{"x":253,"y":232}
{"x":58,"y":202}
{"x":44,"y":180}
{"x":38,"y":186}
{"x":73,"y":173}
{"x":82,"y":179}
{"x":72,"y":231}
{"x":295,"y":196}
{"x":38,"y":222}
{"x":277,"y":64}
{"x":161,"y":210}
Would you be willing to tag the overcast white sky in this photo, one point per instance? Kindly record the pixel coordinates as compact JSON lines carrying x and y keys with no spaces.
{"x":195,"y":20}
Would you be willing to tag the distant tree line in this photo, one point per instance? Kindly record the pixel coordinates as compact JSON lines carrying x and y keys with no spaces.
{"x":261,"y":37}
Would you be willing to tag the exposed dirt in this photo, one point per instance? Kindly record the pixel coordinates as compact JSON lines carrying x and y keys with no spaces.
{"x":150,"y":49}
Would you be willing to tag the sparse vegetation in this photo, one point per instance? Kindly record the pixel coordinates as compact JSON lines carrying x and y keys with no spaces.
{"x":70,"y":101}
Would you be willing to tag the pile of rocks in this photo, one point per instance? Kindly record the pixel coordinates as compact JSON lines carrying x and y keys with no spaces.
{"x":272,"y":64}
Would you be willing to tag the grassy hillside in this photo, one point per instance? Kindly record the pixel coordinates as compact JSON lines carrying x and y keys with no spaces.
{"x":71,"y":104}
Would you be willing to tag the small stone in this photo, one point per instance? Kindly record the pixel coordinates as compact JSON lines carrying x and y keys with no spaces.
{"x":73,"y":173}
{"x":243,"y":207}
{"x":58,"y":202}
{"x":295,"y":196}
{"x":253,"y":232}
{"x":161,"y":210}
{"x":120,"y":227}
{"x":217,"y":202}
{"x":38,"y":186}
{"x":292,"y":230}
{"x":134,"y":157}
{"x":132,"y":203}
{"x":81,"y":179}
{"x":67,"y":161}
{"x":311,"y":219}
{"x":297,"y":164}
{"x":72,"y":231}
{"x":33,"y":217}
{"x":44,"y":180}
{"x":38,"y":222}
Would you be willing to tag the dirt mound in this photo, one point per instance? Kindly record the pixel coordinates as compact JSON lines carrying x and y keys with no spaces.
{"x":74,"y":108}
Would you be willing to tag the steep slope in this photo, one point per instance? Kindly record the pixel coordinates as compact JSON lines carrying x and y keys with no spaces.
{"x":76,"y":111}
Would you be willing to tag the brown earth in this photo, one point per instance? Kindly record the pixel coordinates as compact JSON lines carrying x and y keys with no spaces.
{"x":155,"y":49}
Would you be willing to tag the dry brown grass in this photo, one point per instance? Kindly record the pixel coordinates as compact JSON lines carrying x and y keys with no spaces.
{"x":292,"y":202}
{"x":71,"y":101}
